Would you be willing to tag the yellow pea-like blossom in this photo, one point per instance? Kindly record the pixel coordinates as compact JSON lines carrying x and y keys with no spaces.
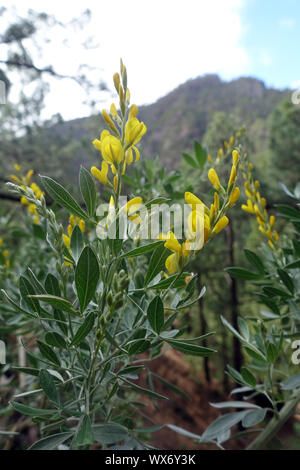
{"x":180,"y":254}
{"x":214,"y":179}
{"x":101,"y":175}
{"x":133,"y":112}
{"x":134,"y":131}
{"x":112,"y":150}
{"x":235,"y":157}
{"x":257,"y":205}
{"x":234,"y":197}
{"x":221,"y":224}
{"x":232,"y":177}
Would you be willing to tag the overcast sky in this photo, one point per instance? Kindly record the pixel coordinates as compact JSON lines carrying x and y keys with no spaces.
{"x":165,"y":42}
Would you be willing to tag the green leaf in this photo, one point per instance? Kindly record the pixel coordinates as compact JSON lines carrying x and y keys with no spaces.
{"x":85,"y":434}
{"x":243,"y":327}
{"x":84,"y":329}
{"x":48,"y":353}
{"x":56,"y":302}
{"x":26,"y":291}
{"x":138,"y":347}
{"x":274,"y":292}
{"x":272,"y":352}
{"x":244,"y":274}
{"x":109,"y":433}
{"x":257,"y":355}
{"x":171,"y":386}
{"x":86,"y":277}
{"x":38,"y":287}
{"x":165,"y":283}
{"x":53,"y":338}
{"x":233,"y":404}
{"x":222,"y":424}
{"x":200,"y":154}
{"x":248,"y":377}
{"x":62,"y":197}
{"x":292,"y":383}
{"x":51,"y":442}
{"x":76,"y":243}
{"x":15,"y":305}
{"x":191,"y":349}
{"x":287,"y":280}
{"x":48,"y":385}
{"x":88,"y":190}
{"x":52,"y":285}
{"x":157,"y":262}
{"x":254,"y":417}
{"x":144,"y":390}
{"x":27,"y":410}
{"x":255,"y":261}
{"x":190,"y":161}
{"x":142,"y":250}
{"x":183,"y":432}
{"x":293,"y":265}
{"x":231,"y":329}
{"x":155,"y":314}
{"x":288,"y":211}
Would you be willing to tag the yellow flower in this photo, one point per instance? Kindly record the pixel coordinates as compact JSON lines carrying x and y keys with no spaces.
{"x":15,"y":179}
{"x":1,"y":241}
{"x":221,"y":224}
{"x":109,"y":121}
{"x":179,"y":255}
{"x":67,"y":241}
{"x":112,"y":150}
{"x":81,"y":225}
{"x":235,"y":157}
{"x":17,"y":167}
{"x":133,"y":205}
{"x":214,"y":179}
{"x":232,"y":176}
{"x":113,"y":111}
{"x":272,"y":220}
{"x":101,"y":175}
{"x":24,"y":201}
{"x":234,"y":196}
{"x":195,"y":203}
{"x":134,"y":131}
{"x":129,"y":155}
{"x":216,"y":201}
{"x":28,"y":176}
{"x":97,"y":143}
{"x":133,"y":112}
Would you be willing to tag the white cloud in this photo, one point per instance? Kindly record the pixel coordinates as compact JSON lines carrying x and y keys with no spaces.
{"x":287,"y":24}
{"x":162,"y":42}
{"x":265,"y":58}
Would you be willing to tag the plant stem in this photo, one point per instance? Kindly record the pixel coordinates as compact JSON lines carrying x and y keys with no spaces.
{"x":276,"y":423}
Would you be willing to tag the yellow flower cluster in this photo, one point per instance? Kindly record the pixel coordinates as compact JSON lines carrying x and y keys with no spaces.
{"x":4,"y":254}
{"x":203,"y":222}
{"x":228,"y":146}
{"x":257,"y":205}
{"x":25,"y":181}
{"x":118,"y":144}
